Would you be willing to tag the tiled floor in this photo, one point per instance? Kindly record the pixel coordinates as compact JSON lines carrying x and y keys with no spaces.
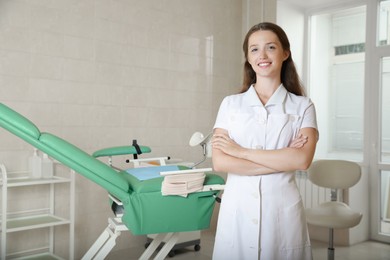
{"x":369,"y":250}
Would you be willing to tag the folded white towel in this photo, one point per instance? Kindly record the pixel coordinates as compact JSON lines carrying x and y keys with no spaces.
{"x":182,"y":184}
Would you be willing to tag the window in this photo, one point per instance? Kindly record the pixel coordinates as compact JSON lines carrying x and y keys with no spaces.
{"x":336,"y":81}
{"x":385,"y":122}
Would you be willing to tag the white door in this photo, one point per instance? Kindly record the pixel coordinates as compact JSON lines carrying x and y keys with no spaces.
{"x":380,"y":121}
{"x":349,"y":80}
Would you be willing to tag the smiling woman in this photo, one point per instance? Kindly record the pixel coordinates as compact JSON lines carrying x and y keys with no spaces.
{"x":276,"y":43}
{"x":260,"y":137}
{"x":266,"y":56}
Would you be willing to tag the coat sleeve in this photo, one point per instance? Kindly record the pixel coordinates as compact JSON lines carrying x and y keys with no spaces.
{"x":222,"y":120}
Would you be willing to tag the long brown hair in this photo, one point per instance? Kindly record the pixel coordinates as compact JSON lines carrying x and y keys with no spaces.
{"x":288,"y":76}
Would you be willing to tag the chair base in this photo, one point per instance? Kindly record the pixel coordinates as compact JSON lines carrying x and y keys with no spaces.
{"x":106,"y":242}
{"x":331,"y":247}
{"x":330,"y":253}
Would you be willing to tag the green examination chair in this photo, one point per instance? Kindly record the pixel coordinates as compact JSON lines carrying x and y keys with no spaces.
{"x":143,"y":208}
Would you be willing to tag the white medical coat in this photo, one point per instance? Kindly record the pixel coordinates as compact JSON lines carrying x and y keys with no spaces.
{"x":262,"y":217}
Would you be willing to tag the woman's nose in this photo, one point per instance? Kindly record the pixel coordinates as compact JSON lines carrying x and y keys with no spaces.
{"x":262,"y":53}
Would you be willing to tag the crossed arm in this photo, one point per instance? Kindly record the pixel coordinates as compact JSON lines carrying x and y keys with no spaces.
{"x":228,"y":156}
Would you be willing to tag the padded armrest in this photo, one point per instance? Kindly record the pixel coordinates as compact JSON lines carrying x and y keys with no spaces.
{"x":120,"y":150}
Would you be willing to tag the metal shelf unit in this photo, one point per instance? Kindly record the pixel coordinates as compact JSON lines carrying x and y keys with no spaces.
{"x":37,"y":218}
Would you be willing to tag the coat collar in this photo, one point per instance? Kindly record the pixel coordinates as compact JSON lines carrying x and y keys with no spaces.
{"x":251,"y":98}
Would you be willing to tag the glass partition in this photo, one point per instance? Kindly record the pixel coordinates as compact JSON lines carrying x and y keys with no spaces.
{"x":336,"y":81}
{"x":384,"y":23}
{"x":385,"y":203}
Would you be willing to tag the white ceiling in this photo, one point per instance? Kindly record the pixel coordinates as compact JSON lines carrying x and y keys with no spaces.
{"x":315,"y":3}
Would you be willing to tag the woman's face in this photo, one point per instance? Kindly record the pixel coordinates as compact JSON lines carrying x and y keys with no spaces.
{"x":266,"y":54}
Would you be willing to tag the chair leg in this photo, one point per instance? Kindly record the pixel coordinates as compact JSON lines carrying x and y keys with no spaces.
{"x":170,"y":243}
{"x":99,"y":243}
{"x":153,"y":246}
{"x":106,"y":241}
{"x":330,"y":246}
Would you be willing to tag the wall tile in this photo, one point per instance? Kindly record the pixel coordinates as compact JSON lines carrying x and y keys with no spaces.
{"x":80,"y":71}
{"x":13,"y":87}
{"x":17,"y":39}
{"x":79,"y":48}
{"x":43,"y":66}
{"x":14,"y":63}
{"x":15,"y":14}
{"x":46,"y":19}
{"x":47,"y":43}
{"x":80,"y":21}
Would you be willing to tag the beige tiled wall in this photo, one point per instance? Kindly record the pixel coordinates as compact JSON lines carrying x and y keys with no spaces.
{"x":100,"y":73}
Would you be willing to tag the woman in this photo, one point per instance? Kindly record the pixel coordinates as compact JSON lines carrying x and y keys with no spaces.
{"x":261,"y":136}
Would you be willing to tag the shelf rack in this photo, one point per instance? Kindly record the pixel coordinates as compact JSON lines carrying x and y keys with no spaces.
{"x":35,"y":219}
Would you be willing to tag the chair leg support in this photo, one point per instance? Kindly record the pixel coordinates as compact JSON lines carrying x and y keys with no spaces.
{"x":170,"y":238}
{"x":106,"y":241}
{"x":330,"y":247}
{"x":153,"y":246}
{"x":164,"y":251}
{"x":330,"y":253}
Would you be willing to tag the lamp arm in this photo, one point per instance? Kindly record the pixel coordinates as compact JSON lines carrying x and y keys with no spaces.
{"x":204,"y":147}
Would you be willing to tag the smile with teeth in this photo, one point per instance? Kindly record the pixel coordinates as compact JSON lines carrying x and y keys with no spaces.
{"x":264,"y":64}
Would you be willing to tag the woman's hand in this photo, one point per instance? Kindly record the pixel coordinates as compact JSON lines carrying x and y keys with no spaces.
{"x":298,"y":142}
{"x":224,"y":143}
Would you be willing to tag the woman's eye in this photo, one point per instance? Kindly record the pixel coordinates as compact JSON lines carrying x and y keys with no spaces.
{"x":271,"y":47}
{"x":254,"y":50}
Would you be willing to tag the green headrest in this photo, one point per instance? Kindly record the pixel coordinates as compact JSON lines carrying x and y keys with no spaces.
{"x":16,"y":123}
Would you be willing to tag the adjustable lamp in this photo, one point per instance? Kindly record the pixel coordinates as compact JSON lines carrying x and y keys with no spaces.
{"x":204,"y":141}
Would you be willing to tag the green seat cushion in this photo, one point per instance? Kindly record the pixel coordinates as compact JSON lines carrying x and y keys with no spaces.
{"x":149,"y":212}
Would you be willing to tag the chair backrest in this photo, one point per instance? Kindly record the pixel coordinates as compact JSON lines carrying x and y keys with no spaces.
{"x":334,"y":174}
{"x":64,"y":152}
